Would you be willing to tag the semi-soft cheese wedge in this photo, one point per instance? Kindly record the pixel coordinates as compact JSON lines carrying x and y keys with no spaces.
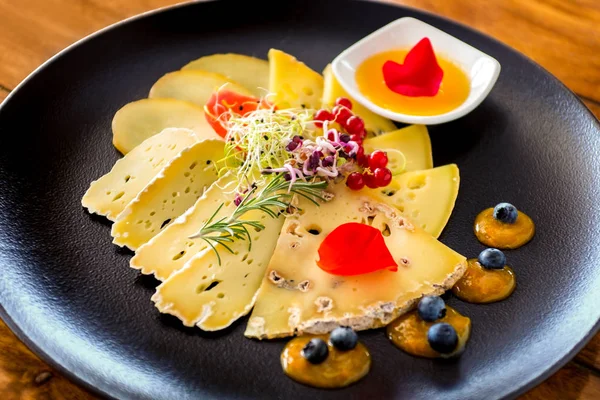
{"x":213,"y":296}
{"x":194,"y":86}
{"x":292,"y":83}
{"x":168,"y":251}
{"x":250,"y":72}
{"x":374,"y":124}
{"x":413,"y":141}
{"x":111,"y":193}
{"x":426,"y":198}
{"x":139,"y":120}
{"x":175,"y":189}
{"x":297,"y":297}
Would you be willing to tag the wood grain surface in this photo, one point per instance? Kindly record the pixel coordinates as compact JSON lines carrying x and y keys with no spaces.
{"x":561,"y":35}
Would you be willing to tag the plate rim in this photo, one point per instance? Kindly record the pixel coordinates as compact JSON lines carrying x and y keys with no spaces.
{"x":95,"y":390}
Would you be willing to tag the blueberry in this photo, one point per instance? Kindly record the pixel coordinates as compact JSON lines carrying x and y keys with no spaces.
{"x":442,"y":337}
{"x":343,"y":338}
{"x":315,"y":351}
{"x":431,"y":308}
{"x":506,"y":212}
{"x":492,"y":259}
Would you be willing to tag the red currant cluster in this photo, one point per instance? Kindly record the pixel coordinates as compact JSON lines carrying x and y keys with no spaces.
{"x":375,"y":173}
{"x":342,"y":114}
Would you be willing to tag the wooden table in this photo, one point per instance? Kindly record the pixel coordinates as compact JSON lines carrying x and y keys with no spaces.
{"x":561,"y":35}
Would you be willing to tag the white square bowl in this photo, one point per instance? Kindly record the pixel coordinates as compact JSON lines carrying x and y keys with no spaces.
{"x":404,"y":33}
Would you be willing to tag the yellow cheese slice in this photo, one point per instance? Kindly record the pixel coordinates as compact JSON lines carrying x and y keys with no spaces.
{"x":213,"y":296}
{"x":425,"y":197}
{"x":175,"y":189}
{"x":168,"y":251}
{"x":111,"y":193}
{"x":374,"y":123}
{"x":250,"y":72}
{"x":193,"y":86}
{"x":292,"y":83}
{"x":139,"y":120}
{"x":413,"y":141}
{"x":297,"y":297}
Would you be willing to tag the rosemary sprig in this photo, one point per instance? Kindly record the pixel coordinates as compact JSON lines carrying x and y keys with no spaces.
{"x":272,"y":199}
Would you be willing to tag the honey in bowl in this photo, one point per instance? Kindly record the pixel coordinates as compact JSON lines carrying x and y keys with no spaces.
{"x":453,"y":90}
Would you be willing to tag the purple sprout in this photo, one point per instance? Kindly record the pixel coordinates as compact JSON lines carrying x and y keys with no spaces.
{"x":328,"y":161}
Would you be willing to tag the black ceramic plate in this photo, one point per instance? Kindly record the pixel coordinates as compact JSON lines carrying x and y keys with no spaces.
{"x":68,"y":292}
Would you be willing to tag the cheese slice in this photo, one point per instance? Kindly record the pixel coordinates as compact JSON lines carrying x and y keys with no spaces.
{"x":250,"y":72}
{"x":292,"y":83}
{"x":111,"y":193}
{"x":213,"y":296}
{"x":175,"y":189}
{"x":298,"y":297}
{"x":425,"y":197}
{"x":168,"y":251}
{"x":375,"y":124}
{"x":139,"y":120}
{"x":413,"y":141}
{"x":193,"y":86}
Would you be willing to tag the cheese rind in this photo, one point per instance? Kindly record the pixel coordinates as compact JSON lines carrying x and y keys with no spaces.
{"x":250,"y":72}
{"x":168,"y":251}
{"x":110,"y":194}
{"x":194,"y":86}
{"x":425,"y":197}
{"x":374,"y":124}
{"x":413,"y":141}
{"x":213,"y":296}
{"x":175,"y":189}
{"x":292,"y":83}
{"x":325,"y":301}
{"x":139,"y":120}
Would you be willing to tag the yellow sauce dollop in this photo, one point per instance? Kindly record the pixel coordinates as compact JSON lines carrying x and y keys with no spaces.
{"x":501,"y":235}
{"x":340,"y":369}
{"x":454,"y":89}
{"x":409,"y":333}
{"x":482,"y":285}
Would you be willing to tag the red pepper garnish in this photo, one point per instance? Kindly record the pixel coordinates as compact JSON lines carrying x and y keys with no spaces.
{"x":355,"y":249}
{"x":420,"y":75}
{"x":224,"y":103}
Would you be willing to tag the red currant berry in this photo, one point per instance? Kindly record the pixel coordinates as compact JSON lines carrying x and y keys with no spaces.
{"x":322,"y":115}
{"x":357,"y":139}
{"x":383,"y":177}
{"x":377,"y":159}
{"x":355,"y":181}
{"x":330,"y":135}
{"x":361,"y":158}
{"x":355,"y":125}
{"x":342,"y":101}
{"x":369,"y":179}
{"x":341,"y":114}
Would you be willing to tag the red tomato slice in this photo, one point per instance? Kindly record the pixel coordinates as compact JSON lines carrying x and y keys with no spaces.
{"x":224,"y":103}
{"x":355,"y":249}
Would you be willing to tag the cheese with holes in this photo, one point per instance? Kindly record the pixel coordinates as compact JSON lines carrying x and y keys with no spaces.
{"x":425,"y":197}
{"x":193,"y":86}
{"x":413,"y":141}
{"x":298,"y":297}
{"x":168,"y":251}
{"x":139,"y":120}
{"x":111,"y":193}
{"x":175,"y":189}
{"x":213,"y":296}
{"x":292,"y":83}
{"x":250,"y":72}
{"x":375,"y":124}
